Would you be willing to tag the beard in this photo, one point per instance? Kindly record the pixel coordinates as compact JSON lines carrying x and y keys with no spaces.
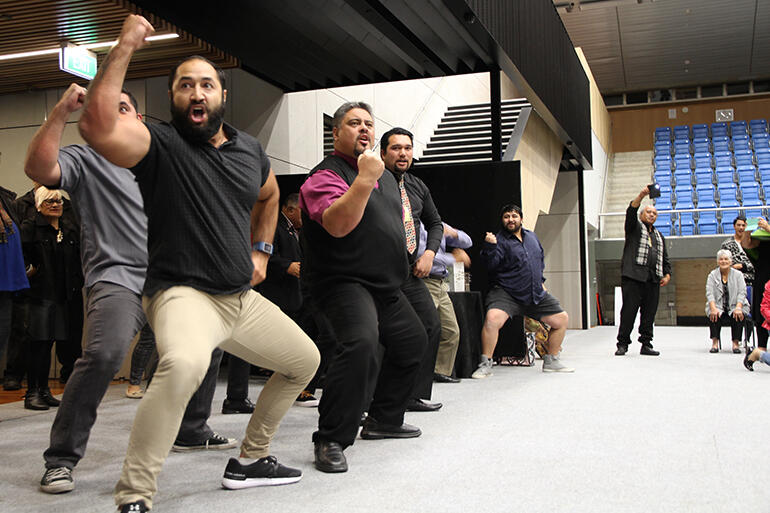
{"x":193,"y":133}
{"x":514,"y":229}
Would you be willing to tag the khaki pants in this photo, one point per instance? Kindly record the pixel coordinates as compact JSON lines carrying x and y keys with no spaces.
{"x":188,"y":325}
{"x":450,"y":331}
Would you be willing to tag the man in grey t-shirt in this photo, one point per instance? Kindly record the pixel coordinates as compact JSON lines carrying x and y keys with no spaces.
{"x":114,"y":259}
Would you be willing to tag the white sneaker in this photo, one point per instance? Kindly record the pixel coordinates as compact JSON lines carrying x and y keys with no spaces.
{"x":553,"y":364}
{"x":484,"y":370}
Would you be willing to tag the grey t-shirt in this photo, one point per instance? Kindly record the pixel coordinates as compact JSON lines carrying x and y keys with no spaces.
{"x":113,"y":226}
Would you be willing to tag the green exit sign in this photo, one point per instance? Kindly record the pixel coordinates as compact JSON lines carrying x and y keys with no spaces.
{"x":78,"y":61}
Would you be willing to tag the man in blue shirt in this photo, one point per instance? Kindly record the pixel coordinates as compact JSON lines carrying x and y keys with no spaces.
{"x":515,"y":261}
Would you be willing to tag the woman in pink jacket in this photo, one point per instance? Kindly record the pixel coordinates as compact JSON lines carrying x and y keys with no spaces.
{"x":760,"y":353}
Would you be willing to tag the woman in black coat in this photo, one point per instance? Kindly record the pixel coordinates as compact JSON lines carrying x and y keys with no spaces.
{"x":52,"y":252}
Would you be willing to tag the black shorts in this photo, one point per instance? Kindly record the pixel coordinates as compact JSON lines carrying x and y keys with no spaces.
{"x":500,"y":299}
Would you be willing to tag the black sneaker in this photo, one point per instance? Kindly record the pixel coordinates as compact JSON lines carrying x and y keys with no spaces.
{"x":306,"y":399}
{"x":215,"y":443}
{"x":57,"y":480}
{"x":263,"y":472}
{"x":134,"y":507}
{"x":231,"y":406}
{"x":373,"y":430}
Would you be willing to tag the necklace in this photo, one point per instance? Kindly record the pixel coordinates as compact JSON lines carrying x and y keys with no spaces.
{"x":59,"y":236}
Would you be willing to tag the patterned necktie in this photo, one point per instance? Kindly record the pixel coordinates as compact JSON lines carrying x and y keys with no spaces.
{"x":411,"y":238}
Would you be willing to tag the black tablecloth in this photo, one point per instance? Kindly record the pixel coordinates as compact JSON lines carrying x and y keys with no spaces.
{"x":469,"y":309}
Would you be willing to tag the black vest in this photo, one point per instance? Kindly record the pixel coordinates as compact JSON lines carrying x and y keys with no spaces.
{"x":373,"y":254}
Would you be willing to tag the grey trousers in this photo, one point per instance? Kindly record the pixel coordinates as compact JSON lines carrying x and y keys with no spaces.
{"x":114,"y":315}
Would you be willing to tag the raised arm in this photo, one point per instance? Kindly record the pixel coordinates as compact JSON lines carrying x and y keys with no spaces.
{"x":346,"y":212}
{"x":42,"y":161}
{"x":264,"y":217}
{"x":123,"y":144}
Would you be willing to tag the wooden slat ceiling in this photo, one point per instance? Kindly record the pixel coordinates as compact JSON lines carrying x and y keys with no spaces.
{"x":30,"y":25}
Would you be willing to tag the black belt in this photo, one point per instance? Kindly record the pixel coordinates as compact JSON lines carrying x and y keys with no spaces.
{"x":436,"y":276}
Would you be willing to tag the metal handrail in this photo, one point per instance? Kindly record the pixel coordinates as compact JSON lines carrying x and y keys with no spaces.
{"x":680,"y":211}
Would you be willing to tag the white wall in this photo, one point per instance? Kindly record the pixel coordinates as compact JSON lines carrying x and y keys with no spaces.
{"x":558,"y":232}
{"x":594,"y":182}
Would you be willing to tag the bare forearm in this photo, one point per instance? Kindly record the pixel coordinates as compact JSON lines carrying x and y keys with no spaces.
{"x":344,"y":214}
{"x":264,"y":217}
{"x":41,"y":163}
{"x":101,"y":110}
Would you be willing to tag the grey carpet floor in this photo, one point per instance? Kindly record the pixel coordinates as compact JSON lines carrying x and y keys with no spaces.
{"x":680,"y":433}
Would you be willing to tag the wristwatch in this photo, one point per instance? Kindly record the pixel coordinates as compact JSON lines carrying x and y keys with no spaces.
{"x":264,"y":247}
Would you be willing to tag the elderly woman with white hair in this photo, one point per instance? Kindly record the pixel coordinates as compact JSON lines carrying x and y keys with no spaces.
{"x":51,"y":249}
{"x":725,"y":300}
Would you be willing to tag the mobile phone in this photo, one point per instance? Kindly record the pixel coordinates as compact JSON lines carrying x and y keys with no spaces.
{"x":654,"y":189}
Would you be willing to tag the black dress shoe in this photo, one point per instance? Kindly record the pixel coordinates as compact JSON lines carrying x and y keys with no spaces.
{"x":45,"y":395}
{"x":648,"y":350}
{"x":420,"y":405}
{"x":443,"y":378}
{"x":33,"y":401}
{"x":329,"y":457}
{"x":230,"y":406}
{"x":374,"y":430}
{"x":10,"y":383}
{"x":622,"y":349}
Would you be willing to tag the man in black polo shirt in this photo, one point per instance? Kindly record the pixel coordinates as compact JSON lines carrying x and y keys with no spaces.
{"x":204,"y":185}
{"x":355,"y":262}
{"x":417,"y":204}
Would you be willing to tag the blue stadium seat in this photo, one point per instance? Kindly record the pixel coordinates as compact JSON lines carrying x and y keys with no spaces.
{"x":663,"y":133}
{"x":741,"y":142}
{"x":718,"y":130}
{"x":702,"y":160}
{"x":747,"y":174}
{"x":683,"y":176}
{"x":683,"y":162}
{"x":727,"y":221}
{"x":758,"y":126}
{"x":720,"y":143}
{"x":663,"y":162}
{"x":662,"y":178}
{"x":727,"y":195}
{"x":700,"y":130}
{"x":764,"y":173}
{"x":725,"y":175}
{"x":723,"y":159}
{"x":750,"y":195}
{"x":707,"y":223}
{"x":662,"y":148}
{"x":744,"y":157}
{"x":663,"y":224}
{"x":681,"y":147}
{"x":685,"y":224}
{"x":766,"y":190}
{"x":682,"y":132}
{"x":701,"y":145}
{"x":738,"y":128}
{"x":663,"y":202}
{"x":762,"y":154}
{"x":705,"y":195}
{"x":683,"y":195}
{"x":704,"y":175}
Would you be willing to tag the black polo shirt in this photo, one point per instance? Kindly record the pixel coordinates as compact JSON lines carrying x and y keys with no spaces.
{"x":198,"y":200}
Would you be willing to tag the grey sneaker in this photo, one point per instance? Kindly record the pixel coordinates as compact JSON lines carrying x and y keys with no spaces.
{"x":553,"y":364}
{"x":484,"y":370}
{"x":57,"y":480}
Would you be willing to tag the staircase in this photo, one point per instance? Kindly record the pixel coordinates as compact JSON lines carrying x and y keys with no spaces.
{"x":465,"y":133}
{"x":629,"y":172}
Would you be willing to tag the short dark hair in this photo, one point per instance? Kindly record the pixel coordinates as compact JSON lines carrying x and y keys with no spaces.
{"x":511,"y":207}
{"x":739,"y":217}
{"x":385,"y":139}
{"x":131,"y":99}
{"x":347,"y":107}
{"x":220,"y":72}
{"x":290,"y":199}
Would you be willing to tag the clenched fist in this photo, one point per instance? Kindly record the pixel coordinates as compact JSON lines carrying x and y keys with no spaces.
{"x":135,"y":29}
{"x":491,"y":238}
{"x":370,"y":166}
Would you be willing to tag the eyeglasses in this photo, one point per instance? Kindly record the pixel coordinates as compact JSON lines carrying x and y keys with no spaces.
{"x":49,"y":202}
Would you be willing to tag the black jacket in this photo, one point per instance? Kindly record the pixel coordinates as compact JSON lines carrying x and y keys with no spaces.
{"x":282,"y":288}
{"x":58,"y":276}
{"x":8,"y":200}
{"x":630,"y":269}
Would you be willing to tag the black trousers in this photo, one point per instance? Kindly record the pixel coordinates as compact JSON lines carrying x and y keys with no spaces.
{"x":18,"y":341}
{"x":638,"y":296}
{"x":361,"y":320}
{"x":419,"y":297}
{"x":736,"y":327}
